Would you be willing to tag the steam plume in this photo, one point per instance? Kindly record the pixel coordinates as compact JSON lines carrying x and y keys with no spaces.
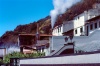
{"x":60,"y":7}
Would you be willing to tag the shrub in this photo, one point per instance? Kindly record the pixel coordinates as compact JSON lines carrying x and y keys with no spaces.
{"x":21,"y":55}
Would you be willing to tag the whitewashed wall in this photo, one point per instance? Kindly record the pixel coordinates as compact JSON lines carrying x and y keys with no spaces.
{"x":94,"y":29}
{"x":68,"y":25}
{"x":2,"y":52}
{"x":73,"y":59}
{"x":78,"y":31}
{"x":84,"y":43}
{"x":47,"y":51}
{"x":60,"y":32}
{"x":57,"y":42}
{"x":79,"y":22}
{"x":55,"y":31}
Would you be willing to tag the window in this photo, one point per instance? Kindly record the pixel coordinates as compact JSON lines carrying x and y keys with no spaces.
{"x":58,"y":29}
{"x":78,"y":17}
{"x":76,"y":31}
{"x":81,"y":29}
{"x":95,"y":25}
{"x":87,"y":31}
{"x":91,"y":26}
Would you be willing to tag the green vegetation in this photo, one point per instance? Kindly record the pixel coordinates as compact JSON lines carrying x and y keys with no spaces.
{"x":20,"y":55}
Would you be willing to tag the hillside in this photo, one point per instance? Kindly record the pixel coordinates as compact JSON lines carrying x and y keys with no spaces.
{"x":11,"y":36}
{"x":45,"y":23}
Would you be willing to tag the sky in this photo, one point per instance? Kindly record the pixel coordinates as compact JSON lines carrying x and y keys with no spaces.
{"x":20,"y":12}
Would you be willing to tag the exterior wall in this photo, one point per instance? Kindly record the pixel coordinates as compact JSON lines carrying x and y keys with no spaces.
{"x":57,"y":42}
{"x":2,"y":52}
{"x":71,"y":59}
{"x":75,"y":24}
{"x":61,"y":30}
{"x":92,"y":64}
{"x":68,"y":25}
{"x":79,"y":33}
{"x":85,"y":43}
{"x":55,"y":31}
{"x":92,"y":13}
{"x":47,"y":51}
{"x":95,"y":11}
{"x":58,"y":30}
{"x":50,"y":48}
{"x":79,"y":23}
{"x":90,"y":31}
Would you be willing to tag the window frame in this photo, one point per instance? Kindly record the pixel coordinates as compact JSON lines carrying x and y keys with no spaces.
{"x":75,"y":31}
{"x":91,"y":26}
{"x":95,"y":25}
{"x":58,"y":29}
{"x":81,"y":29}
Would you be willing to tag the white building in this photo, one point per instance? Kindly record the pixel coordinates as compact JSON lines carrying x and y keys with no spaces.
{"x":77,"y":27}
{"x":85,"y":29}
{"x":92,"y":25}
{"x":58,"y":30}
{"x":87,"y":43}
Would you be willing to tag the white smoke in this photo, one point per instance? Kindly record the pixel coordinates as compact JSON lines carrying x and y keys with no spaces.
{"x":13,"y":49}
{"x":60,"y":7}
{"x":10,"y":48}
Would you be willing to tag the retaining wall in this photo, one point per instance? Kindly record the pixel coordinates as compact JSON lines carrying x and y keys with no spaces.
{"x":88,"y":59}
